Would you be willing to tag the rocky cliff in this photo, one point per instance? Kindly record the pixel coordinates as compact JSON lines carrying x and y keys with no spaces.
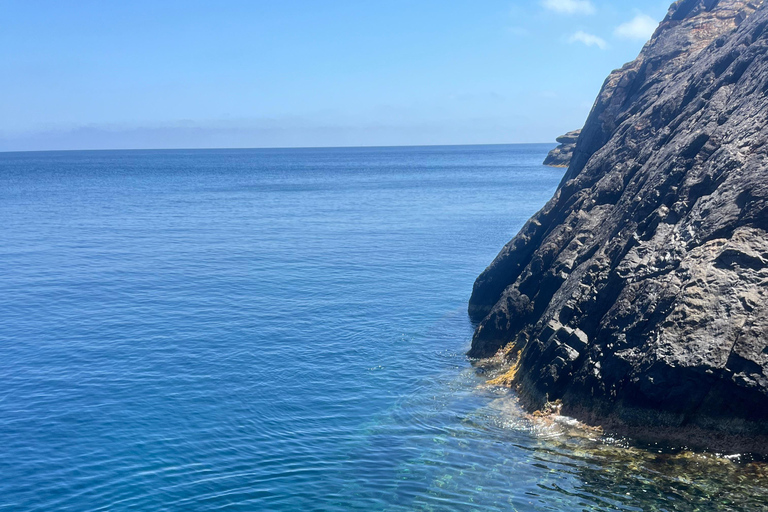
{"x":639,"y":294}
{"x":561,"y":155}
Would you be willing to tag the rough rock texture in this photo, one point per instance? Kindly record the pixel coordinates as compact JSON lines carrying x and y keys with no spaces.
{"x":639,"y":293}
{"x":561,"y":155}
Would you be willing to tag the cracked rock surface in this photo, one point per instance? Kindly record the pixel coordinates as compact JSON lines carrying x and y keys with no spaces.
{"x":639,"y":294}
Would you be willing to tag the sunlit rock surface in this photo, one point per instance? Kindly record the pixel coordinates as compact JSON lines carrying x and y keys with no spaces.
{"x":639,"y":294}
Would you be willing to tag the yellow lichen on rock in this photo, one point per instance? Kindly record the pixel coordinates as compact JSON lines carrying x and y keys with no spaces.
{"x":506,"y":378}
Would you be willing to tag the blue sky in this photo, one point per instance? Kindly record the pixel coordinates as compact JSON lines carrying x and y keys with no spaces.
{"x":282,"y":73}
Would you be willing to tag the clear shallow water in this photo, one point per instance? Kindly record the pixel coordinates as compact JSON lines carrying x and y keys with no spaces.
{"x":285,"y":330}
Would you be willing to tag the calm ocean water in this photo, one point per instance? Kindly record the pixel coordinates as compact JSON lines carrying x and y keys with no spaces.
{"x":285,"y":330}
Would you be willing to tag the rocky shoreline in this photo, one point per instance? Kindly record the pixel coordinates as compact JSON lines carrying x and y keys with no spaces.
{"x":639,"y":294}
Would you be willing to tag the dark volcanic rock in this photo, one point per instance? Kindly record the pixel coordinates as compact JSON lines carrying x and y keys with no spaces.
{"x":639,"y":294}
{"x":561,"y":155}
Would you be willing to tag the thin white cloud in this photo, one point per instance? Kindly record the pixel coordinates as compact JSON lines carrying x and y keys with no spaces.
{"x":641,"y":27}
{"x":569,"y":6}
{"x":588,"y":39}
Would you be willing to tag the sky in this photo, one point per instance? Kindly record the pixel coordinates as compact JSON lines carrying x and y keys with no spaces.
{"x":104,"y":74}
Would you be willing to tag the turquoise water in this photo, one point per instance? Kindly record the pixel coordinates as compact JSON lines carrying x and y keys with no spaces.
{"x":285,"y":330}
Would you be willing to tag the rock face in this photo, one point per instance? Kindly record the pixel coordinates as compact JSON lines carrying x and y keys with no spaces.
{"x":639,"y":294}
{"x":561,"y":155}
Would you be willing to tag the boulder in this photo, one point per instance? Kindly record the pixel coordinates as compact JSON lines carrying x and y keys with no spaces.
{"x":561,"y":155}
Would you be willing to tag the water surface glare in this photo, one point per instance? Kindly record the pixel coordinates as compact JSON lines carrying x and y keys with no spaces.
{"x":285,"y":330}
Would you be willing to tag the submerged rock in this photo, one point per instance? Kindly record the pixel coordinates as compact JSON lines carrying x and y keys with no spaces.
{"x":639,"y":294}
{"x":561,"y":155}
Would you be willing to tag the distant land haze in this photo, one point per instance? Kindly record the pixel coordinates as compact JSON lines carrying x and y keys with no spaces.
{"x":273,"y":135}
{"x":112,"y":75}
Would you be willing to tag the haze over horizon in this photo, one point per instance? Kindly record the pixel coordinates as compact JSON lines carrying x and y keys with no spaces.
{"x":149,"y":75}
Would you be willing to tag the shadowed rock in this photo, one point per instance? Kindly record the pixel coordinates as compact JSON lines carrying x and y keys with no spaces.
{"x":639,"y":294}
{"x":561,"y":155}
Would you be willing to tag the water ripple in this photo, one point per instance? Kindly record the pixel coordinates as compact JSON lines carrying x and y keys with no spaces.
{"x":285,"y":330}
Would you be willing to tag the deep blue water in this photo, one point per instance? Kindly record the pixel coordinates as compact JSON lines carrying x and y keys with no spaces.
{"x":284,"y":330}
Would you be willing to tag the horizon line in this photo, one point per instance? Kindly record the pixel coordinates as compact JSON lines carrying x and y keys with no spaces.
{"x":277,"y":147}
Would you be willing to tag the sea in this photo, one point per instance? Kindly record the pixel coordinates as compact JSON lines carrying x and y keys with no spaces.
{"x":285,"y":330}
